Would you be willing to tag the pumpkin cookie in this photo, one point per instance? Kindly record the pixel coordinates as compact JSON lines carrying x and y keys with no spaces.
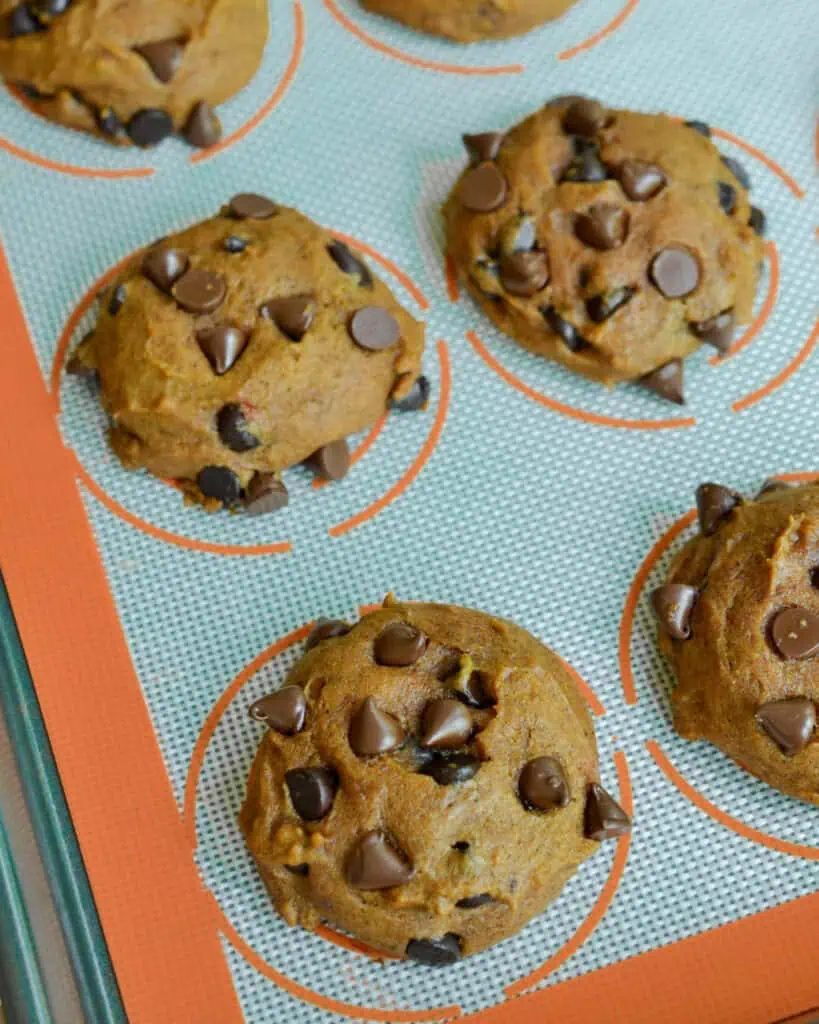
{"x":469,"y":21}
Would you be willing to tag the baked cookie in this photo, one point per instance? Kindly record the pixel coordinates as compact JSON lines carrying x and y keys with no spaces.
{"x":739,"y":618}
{"x":469,"y":21}
{"x":132,"y":72}
{"x":246,"y":344}
{"x":614,"y":242}
{"x":428,"y":782}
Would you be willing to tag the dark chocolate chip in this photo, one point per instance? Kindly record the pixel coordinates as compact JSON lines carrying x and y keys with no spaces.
{"x":199,"y":291}
{"x":373,"y":732}
{"x":265,"y":493}
{"x":601,"y":307}
{"x":667,"y":381}
{"x":116,"y":300}
{"x":461,"y":846}
{"x":524,"y":273}
{"x":49,"y":8}
{"x":604,"y":227}
{"x":445,"y":725}
{"x":585,"y":168}
{"x":482,"y":189}
{"x":293,"y":316}
{"x":231,"y":424}
{"x":221,"y":483}
{"x":332,"y":461}
{"x":675,"y":272}
{"x":222,"y":345}
{"x":474,"y":691}
{"x":349,"y":263}
{"x":399,"y":645}
{"x":484,"y":146}
{"x":604,"y":818}
{"x":727,"y":195}
{"x":773,"y":484}
{"x":415,"y":399}
{"x":452,"y":769}
{"x":234,"y":244}
{"x":790,"y":723}
{"x":542,"y":785}
{"x":564,"y":330}
{"x":22,"y":22}
{"x":738,"y":171}
{"x":435,"y":952}
{"x":312,"y":791}
{"x":716,"y":330}
{"x":325,"y":629}
{"x":701,"y":127}
{"x":673,"y":604}
{"x":375,"y":863}
{"x":373,"y":328}
{"x":250,"y":206}
{"x":714,"y":503}
{"x":758,"y":221}
{"x":285,"y":710}
{"x":202,"y":128}
{"x":795,"y":633}
{"x":584,"y":117}
{"x":472,"y":902}
{"x":298,"y":869}
{"x":108,"y":122}
{"x":164,"y":267}
{"x":149,"y":127}
{"x":75,"y":367}
{"x":31,"y":92}
{"x":162,"y":57}
{"x":640,"y":180}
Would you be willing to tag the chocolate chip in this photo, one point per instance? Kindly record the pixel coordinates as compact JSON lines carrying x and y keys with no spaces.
{"x":373,"y":732}
{"x":163,"y":57}
{"x":474,"y":691}
{"x":235,"y":244}
{"x":738,"y":171}
{"x":604,"y":818}
{"x":524,"y":273}
{"x":265,"y":493}
{"x":75,"y":367}
{"x":108,"y":122}
{"x":795,"y":633}
{"x":285,"y":710}
{"x":399,"y":645}
{"x":542,"y":785}
{"x":675,"y":272}
{"x":332,"y":461}
{"x":199,"y":291}
{"x":701,"y":127}
{"x":164,"y":267}
{"x":757,"y":221}
{"x":116,"y":300}
{"x":462,"y":846}
{"x":564,"y":330}
{"x":231,"y":424}
{"x":604,"y":227}
{"x":202,"y":128}
{"x":484,"y":146}
{"x":446,"y":725}
{"x":714,"y":503}
{"x":482,"y":189}
{"x":640,"y":180}
{"x":435,"y":952}
{"x":222,"y":345}
{"x":673,"y":605}
{"x":250,"y":206}
{"x":790,"y":723}
{"x":375,"y":863}
{"x":22,"y":22}
{"x":584,"y":117}
{"x":31,"y":92}
{"x":667,"y":381}
{"x":293,"y":316}
{"x":472,"y":902}
{"x":416,"y":398}
{"x":727,"y":195}
{"x":221,"y":483}
{"x":772,"y":484}
{"x":149,"y":127}
{"x":452,"y":769}
{"x":716,"y":330}
{"x":325,"y":629}
{"x":50,"y":8}
{"x":373,"y":328}
{"x":312,"y":791}
{"x":349,"y":263}
{"x":585,"y":168}
{"x":298,"y":869}
{"x":601,"y":307}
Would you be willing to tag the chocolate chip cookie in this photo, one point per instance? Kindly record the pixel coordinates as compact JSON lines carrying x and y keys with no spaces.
{"x":469,"y":21}
{"x":136,"y":72}
{"x":614,"y":242}
{"x":246,"y":344}
{"x":739,"y":622}
{"x":428,"y":781}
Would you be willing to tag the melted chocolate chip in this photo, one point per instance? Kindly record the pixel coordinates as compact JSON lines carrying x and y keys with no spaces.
{"x":116,"y":300}
{"x":701,"y":127}
{"x":435,"y":952}
{"x":452,"y":769}
{"x":472,"y":902}
{"x":312,"y":791}
{"x":524,"y":273}
{"x":564,"y":330}
{"x":303,"y":870}
{"x":757,"y":221}
{"x":484,"y":146}
{"x":108,"y":122}
{"x":727,"y":195}
{"x":22,"y":22}
{"x":349,"y":263}
{"x":584,"y":117}
{"x":149,"y":127}
{"x":601,"y":307}
{"x":738,"y":171}
{"x":231,"y":424}
{"x":220,"y":483}
{"x":417,"y":398}
{"x":325,"y":629}
{"x":585,"y":168}
{"x":235,"y":244}
{"x":604,"y":226}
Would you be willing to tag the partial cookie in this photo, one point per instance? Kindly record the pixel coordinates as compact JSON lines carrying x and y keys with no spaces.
{"x":246,"y":344}
{"x":428,"y":782}
{"x":739,"y":618}
{"x":616,"y":243}
{"x":469,"y":21}
{"x":132,"y":72}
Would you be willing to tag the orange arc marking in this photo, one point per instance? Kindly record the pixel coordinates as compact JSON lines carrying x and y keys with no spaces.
{"x":420,"y":461}
{"x":400,"y":275}
{"x":604,"y":32}
{"x":568,"y":410}
{"x":407,"y":58}
{"x":762,"y":317}
{"x":603,"y":901}
{"x":452,"y":290}
{"x":362,"y":449}
{"x":274,"y":99}
{"x":782,"y":376}
{"x":769,"y":162}
{"x":73,"y":169}
{"x":699,"y":801}
{"x":636,"y":588}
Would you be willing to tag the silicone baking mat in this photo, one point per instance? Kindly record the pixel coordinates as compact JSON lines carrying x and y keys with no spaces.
{"x":149,"y":628}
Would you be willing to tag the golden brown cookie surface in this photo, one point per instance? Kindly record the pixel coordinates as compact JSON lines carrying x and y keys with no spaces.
{"x":739,"y":622}
{"x":244,"y":345}
{"x":611,"y":241}
{"x":428,"y":782}
{"x":132,"y":72}
{"x":468,"y":21}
